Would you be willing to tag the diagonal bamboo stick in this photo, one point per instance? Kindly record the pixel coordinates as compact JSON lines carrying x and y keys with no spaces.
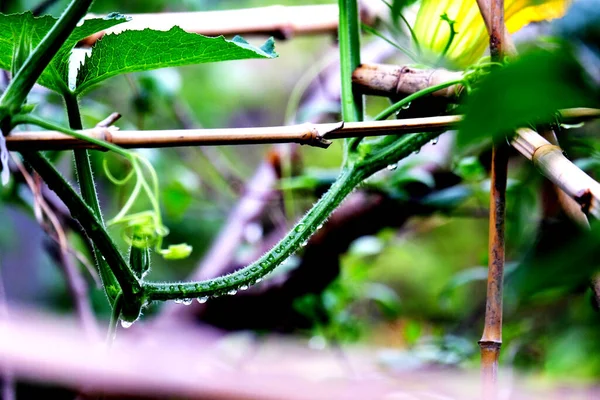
{"x":282,"y":22}
{"x":318,"y":135}
{"x":389,"y":80}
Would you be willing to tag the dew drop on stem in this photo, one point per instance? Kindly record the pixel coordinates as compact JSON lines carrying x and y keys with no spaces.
{"x":126,"y":324}
{"x":186,"y":302}
{"x":202,"y":299}
{"x":244,"y":287}
{"x":392,"y":167}
{"x":232,"y":292}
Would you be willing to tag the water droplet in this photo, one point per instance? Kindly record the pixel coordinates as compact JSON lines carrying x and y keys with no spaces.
{"x":406,"y":106}
{"x":320,"y":226}
{"x":186,"y":302}
{"x":392,"y":167}
{"x":278,"y":250}
{"x":126,"y":324}
{"x":178,"y":301}
{"x":304,"y":243}
{"x":244,"y":287}
{"x":435,"y":141}
{"x":202,"y":300}
{"x":232,"y":292}
{"x":258,"y":280}
{"x":299,"y":228}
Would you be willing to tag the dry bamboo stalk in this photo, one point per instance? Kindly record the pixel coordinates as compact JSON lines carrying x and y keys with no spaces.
{"x":391,"y":80}
{"x":492,"y":12}
{"x":384,"y":80}
{"x":310,"y":134}
{"x":280,"y":21}
{"x":317,"y":135}
{"x":553,"y":164}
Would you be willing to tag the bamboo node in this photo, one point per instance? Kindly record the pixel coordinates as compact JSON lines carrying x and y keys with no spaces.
{"x":542,"y":150}
{"x":585,"y":198}
{"x":313,"y":137}
{"x":490,"y":345}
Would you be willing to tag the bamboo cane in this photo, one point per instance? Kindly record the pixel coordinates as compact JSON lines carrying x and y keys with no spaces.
{"x":392,"y":80}
{"x":492,"y":12}
{"x":318,"y":135}
{"x":282,"y":22}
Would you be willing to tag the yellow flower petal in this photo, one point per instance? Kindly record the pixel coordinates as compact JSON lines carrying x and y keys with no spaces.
{"x":471,"y":39}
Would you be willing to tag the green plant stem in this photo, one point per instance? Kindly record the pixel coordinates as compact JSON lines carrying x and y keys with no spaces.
{"x":299,"y":234}
{"x":16,"y":92}
{"x":348,"y":33}
{"x":85,"y":177}
{"x":349,"y":178}
{"x":117,"y":307}
{"x":88,"y":220}
{"x":408,"y":99}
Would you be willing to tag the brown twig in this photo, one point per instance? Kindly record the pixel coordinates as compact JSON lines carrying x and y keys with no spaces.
{"x":492,"y":12}
{"x":392,"y":80}
{"x":312,"y":134}
{"x":75,"y":282}
{"x":282,"y":22}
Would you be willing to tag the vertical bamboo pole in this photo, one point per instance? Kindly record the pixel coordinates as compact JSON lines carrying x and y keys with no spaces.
{"x":491,"y":340}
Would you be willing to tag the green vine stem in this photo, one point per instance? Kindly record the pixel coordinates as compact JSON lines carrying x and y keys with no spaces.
{"x":130,"y":285}
{"x":348,"y":36}
{"x":16,"y":92}
{"x":349,"y":39}
{"x":349,"y":179}
{"x":117,"y":307}
{"x":83,"y":169}
{"x":408,"y":99}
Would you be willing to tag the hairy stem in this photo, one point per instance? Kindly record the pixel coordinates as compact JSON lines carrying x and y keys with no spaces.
{"x":87,"y":186}
{"x":349,"y":178}
{"x":299,"y":234}
{"x":348,"y":33}
{"x":405,"y":102}
{"x":84,"y":214}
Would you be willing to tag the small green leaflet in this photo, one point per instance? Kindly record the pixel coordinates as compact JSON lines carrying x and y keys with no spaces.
{"x":55,"y":77}
{"x":134,"y":51}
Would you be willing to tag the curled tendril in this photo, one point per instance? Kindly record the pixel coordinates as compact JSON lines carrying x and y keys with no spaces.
{"x":145,"y":228}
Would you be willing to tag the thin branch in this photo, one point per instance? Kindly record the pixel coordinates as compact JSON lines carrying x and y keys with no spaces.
{"x":282,"y":22}
{"x":311,"y":134}
{"x":75,"y":282}
{"x":7,"y":381}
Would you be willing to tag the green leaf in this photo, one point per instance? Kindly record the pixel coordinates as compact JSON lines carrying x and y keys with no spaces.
{"x":176,"y":251}
{"x":55,"y":77}
{"x":134,"y":51}
{"x":530,"y":90}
